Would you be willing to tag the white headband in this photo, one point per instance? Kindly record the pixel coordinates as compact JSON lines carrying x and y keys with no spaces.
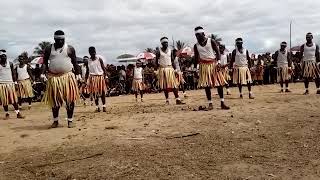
{"x":164,"y":40}
{"x":199,"y":31}
{"x":59,"y":36}
{"x":2,"y":53}
{"x":283,"y":44}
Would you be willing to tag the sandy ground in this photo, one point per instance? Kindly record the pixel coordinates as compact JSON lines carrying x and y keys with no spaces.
{"x":275,"y":136}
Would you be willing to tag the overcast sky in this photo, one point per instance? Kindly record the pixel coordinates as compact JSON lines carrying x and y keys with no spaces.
{"x":129,"y":26}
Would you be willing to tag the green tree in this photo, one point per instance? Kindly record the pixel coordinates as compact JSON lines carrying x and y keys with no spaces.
{"x":216,"y":38}
{"x":150,"y":50}
{"x":39,"y":50}
{"x":180,"y":45}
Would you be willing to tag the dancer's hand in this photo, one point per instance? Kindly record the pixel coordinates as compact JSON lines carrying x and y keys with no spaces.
{"x":219,"y":66}
{"x":78,"y":77}
{"x":16,"y":84}
{"x":42,"y":76}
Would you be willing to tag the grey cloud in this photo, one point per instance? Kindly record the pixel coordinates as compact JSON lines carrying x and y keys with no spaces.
{"x":130,"y":26}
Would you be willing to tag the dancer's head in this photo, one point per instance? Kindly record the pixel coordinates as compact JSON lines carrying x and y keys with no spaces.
{"x":239,"y":43}
{"x":283,"y":45}
{"x":309,"y":37}
{"x":164,"y":42}
{"x":92,"y":52}
{"x":199,"y":33}
{"x":59,"y":38}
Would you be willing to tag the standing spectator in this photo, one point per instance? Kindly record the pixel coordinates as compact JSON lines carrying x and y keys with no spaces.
{"x":190,"y":77}
{"x":259,"y":70}
{"x":129,"y":79}
{"x":122,"y":76}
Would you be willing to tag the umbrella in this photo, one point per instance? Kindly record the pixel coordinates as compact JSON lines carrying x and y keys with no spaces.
{"x":146,"y":56}
{"x":37,"y":60}
{"x":185,"y":52}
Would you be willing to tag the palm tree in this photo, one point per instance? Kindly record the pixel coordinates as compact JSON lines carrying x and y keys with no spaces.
{"x":180,"y":45}
{"x":150,"y":50}
{"x":216,"y":38}
{"x":39,"y":50}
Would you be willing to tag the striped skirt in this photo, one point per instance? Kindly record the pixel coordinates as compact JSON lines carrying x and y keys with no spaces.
{"x":210,"y":76}
{"x":241,"y":75}
{"x":167,"y":78}
{"x":83,"y":89}
{"x":138,"y":85}
{"x":61,"y":89}
{"x":8,"y":94}
{"x":24,"y":89}
{"x":226,"y":74}
{"x":310,"y":69}
{"x":283,"y":74}
{"x":97,"y":85}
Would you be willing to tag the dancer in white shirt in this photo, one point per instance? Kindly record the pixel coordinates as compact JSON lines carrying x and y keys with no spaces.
{"x":207,"y":54}
{"x":24,"y":78}
{"x":241,"y":64}
{"x":62,"y":83}
{"x":310,"y":63}
{"x":8,"y":81}
{"x":166,"y":73}
{"x":225,"y":63}
{"x":138,"y":80}
{"x":284,"y":64}
{"x":96,"y":78}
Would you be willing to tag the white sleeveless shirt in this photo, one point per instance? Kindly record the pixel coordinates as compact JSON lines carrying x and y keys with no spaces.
{"x":165,"y":58}
{"x":22,"y":73}
{"x":59,"y":61}
{"x":224,"y":59}
{"x":137,"y":73}
{"x":282,"y":59}
{"x":83,"y":70}
{"x":206,"y":52}
{"x":309,"y":53}
{"x":95,"y":67}
{"x":241,"y":58}
{"x":5,"y":74}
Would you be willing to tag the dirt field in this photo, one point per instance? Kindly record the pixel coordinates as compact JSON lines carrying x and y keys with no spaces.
{"x":275,"y":136}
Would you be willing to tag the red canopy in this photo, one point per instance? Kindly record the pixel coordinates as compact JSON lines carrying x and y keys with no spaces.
{"x":185,"y":52}
{"x":146,"y":56}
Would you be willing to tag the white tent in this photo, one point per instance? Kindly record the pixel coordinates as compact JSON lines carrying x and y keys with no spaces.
{"x":131,"y":60}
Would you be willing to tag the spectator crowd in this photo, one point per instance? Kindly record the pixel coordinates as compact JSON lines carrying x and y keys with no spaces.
{"x":263,"y":70}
